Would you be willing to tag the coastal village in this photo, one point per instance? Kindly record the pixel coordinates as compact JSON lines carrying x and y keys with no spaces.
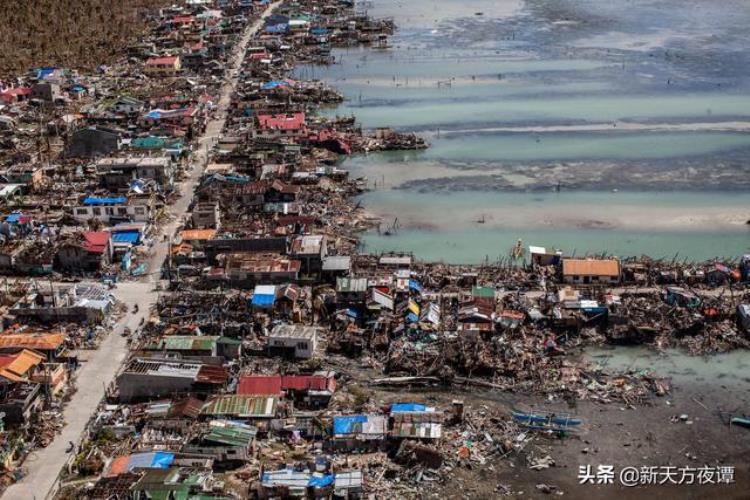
{"x":187,"y":206}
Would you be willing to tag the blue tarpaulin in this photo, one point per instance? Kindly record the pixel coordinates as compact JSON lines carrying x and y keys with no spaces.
{"x":413,"y":318}
{"x":273,"y":84}
{"x":346,"y":425}
{"x":43,"y":73}
{"x":263,"y":300}
{"x":279,"y":28}
{"x":321,"y":481}
{"x":162,"y":460}
{"x":95,"y":200}
{"x":407,"y":407}
{"x":13,"y":218}
{"x":319,"y":31}
{"x":126,"y":237}
{"x":154,"y":115}
{"x":151,"y":460}
{"x":352,"y":313}
{"x":415,"y":285}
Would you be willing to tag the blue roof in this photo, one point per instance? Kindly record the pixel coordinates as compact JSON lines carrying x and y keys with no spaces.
{"x":13,"y":218}
{"x":131,"y":237}
{"x":407,"y":407}
{"x":260,"y":300}
{"x":413,"y":318}
{"x":415,"y":285}
{"x":95,"y":200}
{"x":348,"y":425}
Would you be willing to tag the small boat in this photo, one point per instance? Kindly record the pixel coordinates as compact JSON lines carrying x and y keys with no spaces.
{"x":742,"y":421}
{"x":545,"y":418}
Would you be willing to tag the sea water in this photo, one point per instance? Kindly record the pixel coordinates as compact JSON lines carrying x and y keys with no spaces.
{"x":583,"y":125}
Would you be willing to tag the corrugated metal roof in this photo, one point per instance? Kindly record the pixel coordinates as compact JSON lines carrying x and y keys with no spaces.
{"x":17,"y":366}
{"x":591,"y":267}
{"x":241,"y":406}
{"x":197,"y":234}
{"x":230,"y":434}
{"x":212,"y":374}
{"x":43,"y":341}
{"x":260,"y":384}
{"x":351,"y":284}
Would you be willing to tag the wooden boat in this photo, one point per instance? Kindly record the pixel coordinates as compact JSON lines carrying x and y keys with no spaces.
{"x":545,"y":419}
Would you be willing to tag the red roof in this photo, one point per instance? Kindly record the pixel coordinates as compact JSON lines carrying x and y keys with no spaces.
{"x":182,"y":19}
{"x":162,"y":61}
{"x":294,"y":121}
{"x":260,"y":385}
{"x":279,"y":186}
{"x":272,"y":385}
{"x":96,"y":241}
{"x":308,"y":383}
{"x":212,"y":374}
{"x":10,"y":94}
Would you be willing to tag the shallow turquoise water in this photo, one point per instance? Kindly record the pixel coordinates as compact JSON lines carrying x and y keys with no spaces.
{"x":444,"y":227}
{"x":525,"y":79}
{"x":551,"y":146}
{"x":471,"y":246}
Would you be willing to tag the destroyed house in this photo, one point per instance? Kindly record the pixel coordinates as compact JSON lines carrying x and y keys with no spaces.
{"x":78,"y":303}
{"x":163,"y":66}
{"x":128,"y":105}
{"x":244,"y":245}
{"x":240,"y":406}
{"x":174,"y":482}
{"x":88,"y":251}
{"x":280,"y":126}
{"x":290,"y":483}
{"x":249,"y":269}
{"x":591,"y":271}
{"x":415,"y":421}
{"x":196,"y":346}
{"x":113,"y":209}
{"x":293,"y":341}
{"x":310,"y":251}
{"x":314,"y":390}
{"x":19,"y":367}
{"x":119,"y":173}
{"x":279,"y":192}
{"x":225,"y":442}
{"x":359,"y":431}
{"x":206,"y":215}
{"x":351,"y":290}
{"x":93,"y":141}
{"x":150,"y":378}
{"x":19,"y":402}
{"x":51,"y":345}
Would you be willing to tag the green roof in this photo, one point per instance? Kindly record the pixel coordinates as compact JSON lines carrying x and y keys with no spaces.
{"x":231,"y":436}
{"x":483,"y":292}
{"x":241,"y":406}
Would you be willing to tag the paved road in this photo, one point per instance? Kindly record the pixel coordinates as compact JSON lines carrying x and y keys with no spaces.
{"x":101,"y":368}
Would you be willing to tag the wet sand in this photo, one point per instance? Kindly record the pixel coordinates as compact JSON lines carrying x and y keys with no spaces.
{"x":612,"y":434}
